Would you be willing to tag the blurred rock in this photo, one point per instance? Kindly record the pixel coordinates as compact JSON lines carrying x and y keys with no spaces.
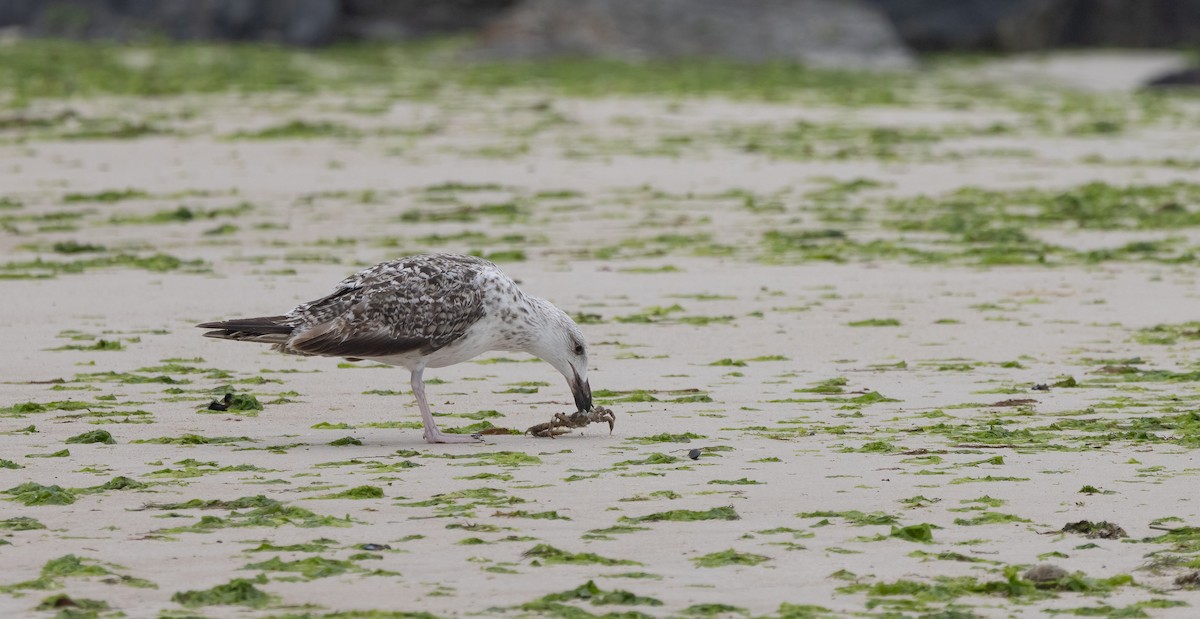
{"x":1024,"y":25}
{"x":1102,"y":23}
{"x":1186,"y":78}
{"x":940,"y":25}
{"x":857,"y":33}
{"x":409,"y":19}
{"x":295,"y":22}
{"x":829,"y":33}
{"x":18,"y":12}
{"x":1094,"y":70}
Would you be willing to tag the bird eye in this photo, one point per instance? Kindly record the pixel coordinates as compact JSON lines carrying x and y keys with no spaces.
{"x":579,"y":349}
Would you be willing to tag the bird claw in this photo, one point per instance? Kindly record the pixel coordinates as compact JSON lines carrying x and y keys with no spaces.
{"x":562,"y":423}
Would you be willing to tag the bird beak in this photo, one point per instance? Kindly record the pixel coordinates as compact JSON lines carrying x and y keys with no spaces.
{"x":582,"y":390}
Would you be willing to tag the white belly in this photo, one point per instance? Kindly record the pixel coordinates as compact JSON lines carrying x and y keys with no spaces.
{"x":477,"y":341}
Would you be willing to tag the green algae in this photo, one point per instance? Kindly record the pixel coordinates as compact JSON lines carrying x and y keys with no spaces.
{"x":318,"y":545}
{"x":566,"y":611}
{"x":297,"y":130}
{"x":1181,"y":539}
{"x":32,"y":493}
{"x":246,"y":502}
{"x":1132,"y":611}
{"x":190,"y":467}
{"x":264,"y":513}
{"x":325,"y":425}
{"x":72,"y":566}
{"x":657,"y":494}
{"x":1094,"y":205}
{"x":729,"y":557}
{"x":985,"y":500}
{"x":873,"y":447}
{"x":855,"y":517}
{"x":237,"y":592}
{"x":520,"y":513}
{"x":666,"y":437}
{"x":1168,"y":334}
{"x":358,"y":492}
{"x":686,"y":515}
{"x":20,"y":523}
{"x":714,"y":610}
{"x":1011,"y":585}
{"x":98,"y":345}
{"x":109,"y":195}
{"x":476,"y":428}
{"x":875,"y":322}
{"x":309,"y":567}
{"x":545,"y":554}
{"x":493,"y":458}
{"x":921,"y":533}
{"x":830,"y":386}
{"x":986,"y":479}
{"x":989,"y":518}
{"x":155,"y":263}
{"x":374,"y":466}
{"x":117,"y":483}
{"x":62,"y":453}
{"x":448,"y":504}
{"x":94,"y":436}
{"x":196,"y":439}
{"x":76,"y":607}
{"x":608,"y":532}
{"x":593,"y":594}
{"x":654,"y":458}
{"x":946,"y":555}
{"x":23,"y":409}
{"x":242,"y":402}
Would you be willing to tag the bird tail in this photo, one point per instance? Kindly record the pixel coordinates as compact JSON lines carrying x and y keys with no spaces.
{"x":262,"y":330}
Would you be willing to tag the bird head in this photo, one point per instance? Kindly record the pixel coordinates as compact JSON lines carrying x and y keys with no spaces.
{"x":558,"y":341}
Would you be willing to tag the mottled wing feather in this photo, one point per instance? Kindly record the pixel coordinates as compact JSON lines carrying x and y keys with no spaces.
{"x":420,"y":303}
{"x":332,"y":345}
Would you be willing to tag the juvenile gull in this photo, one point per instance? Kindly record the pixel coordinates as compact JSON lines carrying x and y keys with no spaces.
{"x":426,"y":311}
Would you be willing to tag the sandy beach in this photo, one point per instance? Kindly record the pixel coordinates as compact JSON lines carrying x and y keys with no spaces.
{"x":894,"y":420}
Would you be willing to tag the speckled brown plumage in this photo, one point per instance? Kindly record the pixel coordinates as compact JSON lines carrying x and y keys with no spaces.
{"x":417,"y":303}
{"x":420,"y":312}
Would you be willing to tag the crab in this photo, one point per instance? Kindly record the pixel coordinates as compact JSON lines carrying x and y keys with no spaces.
{"x":562,"y":423}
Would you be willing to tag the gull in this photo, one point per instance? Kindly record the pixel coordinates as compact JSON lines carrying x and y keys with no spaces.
{"x":425,"y":311}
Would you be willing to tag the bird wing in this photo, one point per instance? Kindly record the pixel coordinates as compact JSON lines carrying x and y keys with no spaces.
{"x":417,"y":304}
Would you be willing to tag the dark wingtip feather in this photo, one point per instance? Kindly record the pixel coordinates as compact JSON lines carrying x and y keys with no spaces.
{"x":243,"y":336}
{"x":258,"y":326}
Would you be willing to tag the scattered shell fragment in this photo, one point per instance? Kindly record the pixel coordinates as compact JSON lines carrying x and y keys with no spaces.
{"x":222,"y":405}
{"x":1044,"y":572}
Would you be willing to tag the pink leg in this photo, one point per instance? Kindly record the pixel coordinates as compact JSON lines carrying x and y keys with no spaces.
{"x":432,"y":433}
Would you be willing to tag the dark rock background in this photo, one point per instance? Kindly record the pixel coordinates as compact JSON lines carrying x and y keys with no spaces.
{"x":828,"y":33}
{"x":294,"y":22}
{"x":923,"y":25}
{"x":1023,"y":25}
